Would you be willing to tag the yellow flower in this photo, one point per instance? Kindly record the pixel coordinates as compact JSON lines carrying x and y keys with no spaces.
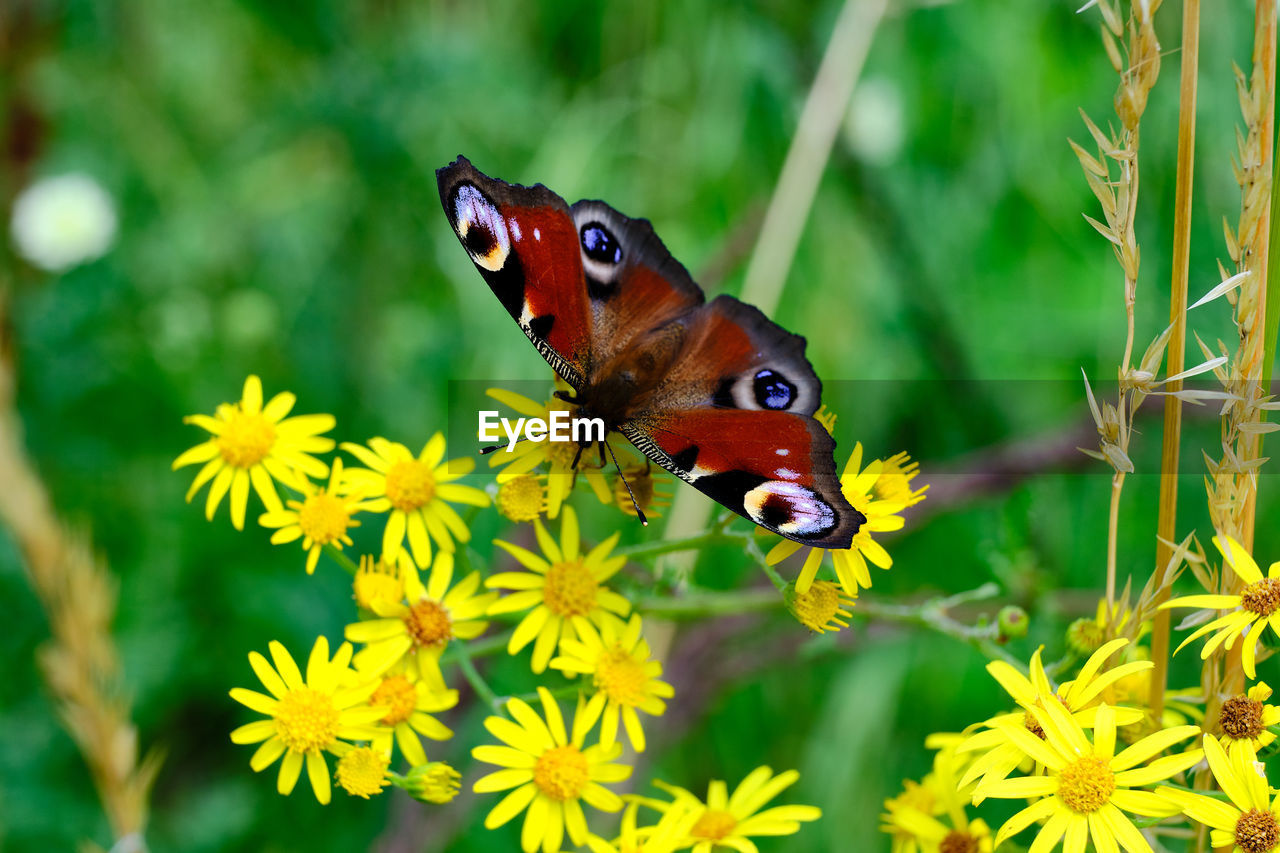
{"x":410,"y":701}
{"x":1256,"y":607}
{"x":858,"y":485}
{"x":321,"y":518}
{"x":559,"y":455}
{"x":417,"y":493}
{"x":379,"y":581}
{"x":1082,"y":696}
{"x":560,"y":585}
{"x":821,"y":609}
{"x":894,"y":483}
{"x":362,"y":771}
{"x":647,"y":487}
{"x":307,"y":717}
{"x":1087,"y":786}
{"x":255,"y":444}
{"x":618,"y":660}
{"x":911,"y":818}
{"x":522,"y":498}
{"x":552,"y":774}
{"x":436,"y":782}
{"x":666,"y":836}
{"x":729,"y":821}
{"x":1245,"y":719}
{"x":422,"y":625}
{"x":1250,"y":823}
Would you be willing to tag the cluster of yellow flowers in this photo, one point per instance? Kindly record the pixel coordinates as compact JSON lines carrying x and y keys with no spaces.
{"x":1087,"y":756}
{"x":421,"y":605}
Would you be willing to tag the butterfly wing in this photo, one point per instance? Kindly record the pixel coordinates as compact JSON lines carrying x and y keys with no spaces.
{"x":734,"y":418}
{"x":523,"y":241}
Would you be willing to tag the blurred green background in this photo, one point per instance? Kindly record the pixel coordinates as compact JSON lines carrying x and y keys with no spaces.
{"x":272,"y":166}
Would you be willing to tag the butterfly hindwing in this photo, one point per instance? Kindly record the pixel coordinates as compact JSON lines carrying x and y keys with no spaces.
{"x":523,"y":241}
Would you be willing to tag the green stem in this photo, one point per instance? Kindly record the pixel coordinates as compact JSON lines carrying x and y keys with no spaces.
{"x":692,"y":543}
{"x":480,"y":648}
{"x":335,"y":554}
{"x":478,"y":684}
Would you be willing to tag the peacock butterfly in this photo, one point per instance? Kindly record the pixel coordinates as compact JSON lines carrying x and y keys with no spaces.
{"x":714,"y":391}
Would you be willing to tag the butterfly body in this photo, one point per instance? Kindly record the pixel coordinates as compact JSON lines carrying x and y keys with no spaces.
{"x":712,"y":391}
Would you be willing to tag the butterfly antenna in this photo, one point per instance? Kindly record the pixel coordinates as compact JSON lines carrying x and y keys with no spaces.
{"x":485,"y":451}
{"x":623,"y":477}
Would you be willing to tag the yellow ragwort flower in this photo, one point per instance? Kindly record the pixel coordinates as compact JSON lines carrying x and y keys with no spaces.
{"x":321,"y":518}
{"x":559,"y":455}
{"x":647,"y":487}
{"x":551,"y":773}
{"x":1087,"y":787}
{"x":822,"y":608}
{"x":435,"y":782}
{"x":410,"y":701}
{"x":1250,"y":822}
{"x":665,"y":836}
{"x":424,"y":623}
{"x":561,"y":584}
{"x":522,"y":498}
{"x":362,"y":771}
{"x":729,"y":821}
{"x":1245,"y":720}
{"x":380,"y":581}
{"x":858,"y":485}
{"x":912,"y":818}
{"x":625,"y":677}
{"x":255,"y":445}
{"x":307,"y":717}
{"x":417,"y":492}
{"x":999,"y":756}
{"x":1252,"y":610}
{"x":894,"y":482}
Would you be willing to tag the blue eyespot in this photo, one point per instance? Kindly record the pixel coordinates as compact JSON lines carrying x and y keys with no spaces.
{"x":773,"y":391}
{"x":600,"y":245}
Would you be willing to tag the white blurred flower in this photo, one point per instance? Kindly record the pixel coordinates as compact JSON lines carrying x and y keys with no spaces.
{"x":874,"y":127}
{"x":63,"y":221}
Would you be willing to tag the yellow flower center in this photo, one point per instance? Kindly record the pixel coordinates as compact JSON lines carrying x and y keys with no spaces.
{"x":570,"y":589}
{"x":1241,"y":718}
{"x":429,"y":623}
{"x":560,"y":454}
{"x":376,"y":582}
{"x":1257,"y":832}
{"x":621,"y":677}
{"x":1085,"y":785}
{"x":410,"y":484}
{"x":958,"y":842}
{"x":362,"y":772}
{"x":817,"y":607}
{"x":1262,"y":597}
{"x":400,"y":697}
{"x":1086,"y":636}
{"x":714,"y":825}
{"x":324,"y":518}
{"x":640,"y":478}
{"x":306,"y":719}
{"x":561,"y":773}
{"x":246,"y":439}
{"x":521,"y":498}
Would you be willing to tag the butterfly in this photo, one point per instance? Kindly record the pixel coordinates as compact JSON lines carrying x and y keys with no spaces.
{"x":714,"y":392}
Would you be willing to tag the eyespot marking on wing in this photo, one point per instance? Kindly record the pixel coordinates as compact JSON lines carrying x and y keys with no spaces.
{"x":481,"y":227}
{"x":789,"y":508}
{"x":601,"y":255}
{"x":773,"y":390}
